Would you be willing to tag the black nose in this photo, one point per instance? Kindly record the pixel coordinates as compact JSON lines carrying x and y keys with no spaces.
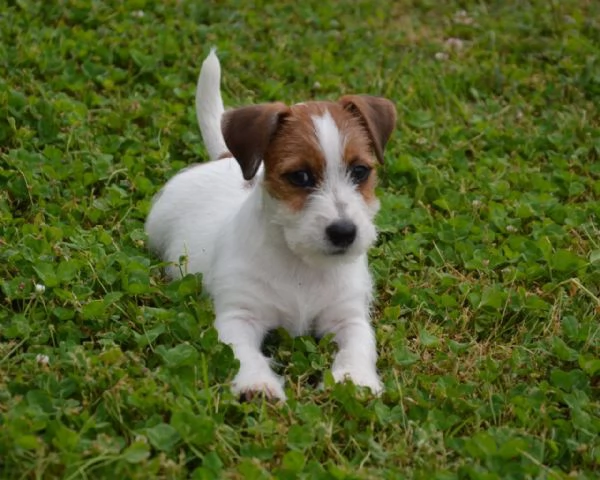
{"x":341,"y":233}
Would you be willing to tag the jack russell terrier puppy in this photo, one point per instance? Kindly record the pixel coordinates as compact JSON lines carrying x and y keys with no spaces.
{"x":279,"y":223}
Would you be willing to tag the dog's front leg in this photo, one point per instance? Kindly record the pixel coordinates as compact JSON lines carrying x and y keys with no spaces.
{"x":245,"y":335}
{"x":357,"y":355}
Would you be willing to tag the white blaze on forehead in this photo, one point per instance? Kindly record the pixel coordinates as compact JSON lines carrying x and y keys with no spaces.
{"x":336,"y":185}
{"x":331,"y":142}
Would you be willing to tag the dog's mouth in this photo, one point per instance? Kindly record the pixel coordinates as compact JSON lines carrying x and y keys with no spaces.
{"x":338,"y":252}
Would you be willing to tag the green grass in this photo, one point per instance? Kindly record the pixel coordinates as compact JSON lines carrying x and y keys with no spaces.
{"x":487,"y":270}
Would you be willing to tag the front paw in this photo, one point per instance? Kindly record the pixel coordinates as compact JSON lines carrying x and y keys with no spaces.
{"x":360,"y":376}
{"x":248,"y":384}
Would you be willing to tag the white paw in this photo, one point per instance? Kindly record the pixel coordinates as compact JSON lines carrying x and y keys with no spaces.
{"x":360,"y":376}
{"x":250,"y":383}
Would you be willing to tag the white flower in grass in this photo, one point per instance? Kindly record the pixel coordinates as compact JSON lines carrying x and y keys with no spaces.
{"x":441,"y":56}
{"x":454,"y":44}
{"x":462,"y":18}
{"x":138,"y":13}
{"x":40,"y":288}
{"x":42,"y":359}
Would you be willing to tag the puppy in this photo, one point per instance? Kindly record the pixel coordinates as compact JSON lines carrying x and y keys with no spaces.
{"x":279,"y":224}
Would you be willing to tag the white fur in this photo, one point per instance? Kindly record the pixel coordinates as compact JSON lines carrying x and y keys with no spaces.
{"x":265,"y":266}
{"x":331,"y":142}
{"x":209,"y":106}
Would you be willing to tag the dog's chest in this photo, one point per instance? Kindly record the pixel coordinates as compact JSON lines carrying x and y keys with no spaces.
{"x":300,"y":303}
{"x":298,"y":299}
{"x":254,"y":269}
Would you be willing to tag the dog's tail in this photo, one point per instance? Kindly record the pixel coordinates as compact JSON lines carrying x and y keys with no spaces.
{"x":209,"y":106}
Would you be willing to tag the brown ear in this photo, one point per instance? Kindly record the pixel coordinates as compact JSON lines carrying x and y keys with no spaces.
{"x":377,"y":114}
{"x":248,"y":132}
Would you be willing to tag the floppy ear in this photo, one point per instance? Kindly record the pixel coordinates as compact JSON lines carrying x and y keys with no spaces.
{"x":248,"y":132}
{"x":378,"y":116}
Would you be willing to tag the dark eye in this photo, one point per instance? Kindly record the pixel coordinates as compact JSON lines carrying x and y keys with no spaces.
{"x":359,"y":173}
{"x":301,"y":178}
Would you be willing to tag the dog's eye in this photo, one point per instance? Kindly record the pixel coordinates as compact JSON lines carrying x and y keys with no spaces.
{"x":301,"y":178}
{"x":359,"y":173}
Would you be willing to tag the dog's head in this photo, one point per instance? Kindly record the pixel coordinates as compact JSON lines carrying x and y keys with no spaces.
{"x":319,"y":169}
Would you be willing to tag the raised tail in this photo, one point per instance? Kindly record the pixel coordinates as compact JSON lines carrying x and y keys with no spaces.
{"x":209,"y":106}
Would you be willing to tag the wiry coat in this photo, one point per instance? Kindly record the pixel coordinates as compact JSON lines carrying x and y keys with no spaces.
{"x":279,"y":224}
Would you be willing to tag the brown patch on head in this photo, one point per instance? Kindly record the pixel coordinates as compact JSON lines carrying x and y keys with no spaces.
{"x":357,"y":150}
{"x":296,"y":147}
{"x":286,"y":139}
{"x":248,"y":132}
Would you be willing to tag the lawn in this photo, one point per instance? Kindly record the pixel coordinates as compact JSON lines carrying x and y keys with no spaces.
{"x":487,"y":267}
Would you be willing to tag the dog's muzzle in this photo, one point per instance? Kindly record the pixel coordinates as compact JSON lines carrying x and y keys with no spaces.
{"x":341,"y":234}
